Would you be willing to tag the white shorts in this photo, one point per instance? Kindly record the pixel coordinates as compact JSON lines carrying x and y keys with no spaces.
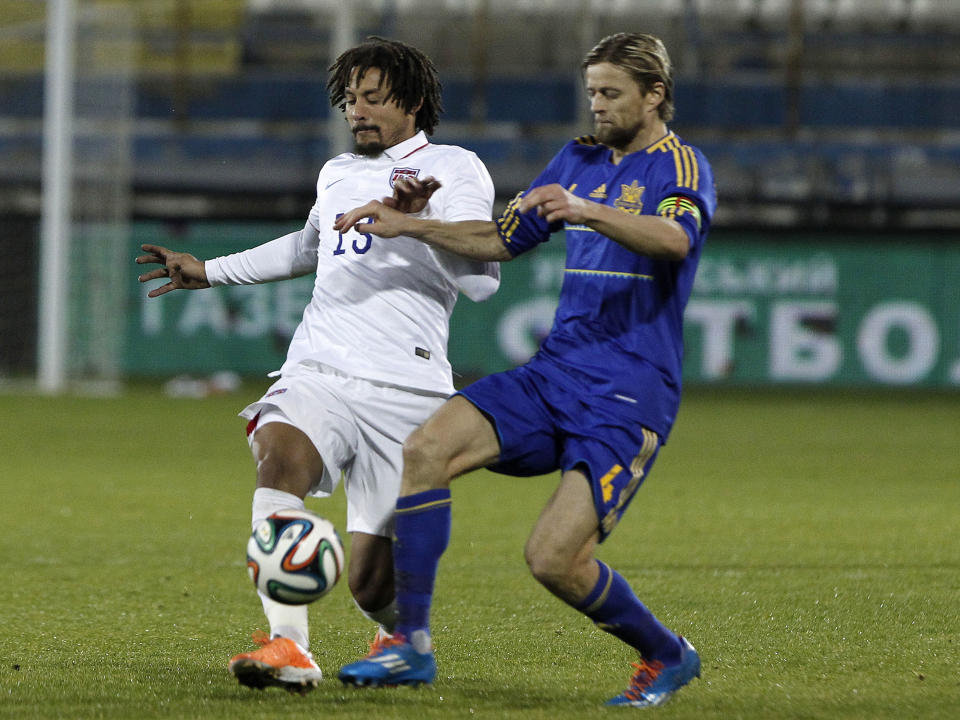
{"x":358,"y":427}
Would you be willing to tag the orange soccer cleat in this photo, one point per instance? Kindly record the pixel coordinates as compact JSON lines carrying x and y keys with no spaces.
{"x":280,"y":662}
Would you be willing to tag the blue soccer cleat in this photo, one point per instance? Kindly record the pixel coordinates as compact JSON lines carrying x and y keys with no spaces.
{"x":654,"y":683}
{"x":392,"y":661}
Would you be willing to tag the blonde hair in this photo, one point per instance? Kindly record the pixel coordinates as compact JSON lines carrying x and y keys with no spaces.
{"x":644,"y":57}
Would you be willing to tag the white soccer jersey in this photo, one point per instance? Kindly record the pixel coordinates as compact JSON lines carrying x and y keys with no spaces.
{"x":381,"y":307}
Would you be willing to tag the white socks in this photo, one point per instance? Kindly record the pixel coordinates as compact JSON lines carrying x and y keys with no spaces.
{"x":385,"y":617}
{"x":285,"y":620}
{"x":291,"y":620}
{"x":267,"y":501}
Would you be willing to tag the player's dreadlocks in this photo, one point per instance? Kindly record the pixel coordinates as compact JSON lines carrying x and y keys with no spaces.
{"x":408,"y":73}
{"x":644,"y":57}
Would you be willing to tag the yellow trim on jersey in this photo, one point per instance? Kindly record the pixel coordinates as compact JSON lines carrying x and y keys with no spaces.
{"x":685,"y":154}
{"x":510,"y":219}
{"x":610,"y":273}
{"x":678,"y":163}
{"x":661,"y":144}
{"x":692,"y":179}
{"x":684,"y":160}
{"x":586,"y":140}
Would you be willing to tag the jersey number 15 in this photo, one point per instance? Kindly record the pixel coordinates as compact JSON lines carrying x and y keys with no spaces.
{"x":360,"y":244}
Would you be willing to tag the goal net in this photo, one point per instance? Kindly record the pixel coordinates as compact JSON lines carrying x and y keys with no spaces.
{"x":93,"y":173}
{"x":101,"y":192}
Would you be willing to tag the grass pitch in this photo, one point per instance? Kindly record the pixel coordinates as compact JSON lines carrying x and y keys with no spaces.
{"x":807,"y":544}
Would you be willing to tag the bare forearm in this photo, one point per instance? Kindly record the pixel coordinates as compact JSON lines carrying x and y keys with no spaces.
{"x":650,"y":235}
{"x":474,"y":239}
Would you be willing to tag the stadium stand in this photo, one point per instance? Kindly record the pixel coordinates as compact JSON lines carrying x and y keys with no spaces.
{"x":808,"y":110}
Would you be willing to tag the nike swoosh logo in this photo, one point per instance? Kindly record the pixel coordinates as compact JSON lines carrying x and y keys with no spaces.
{"x":331,"y":184}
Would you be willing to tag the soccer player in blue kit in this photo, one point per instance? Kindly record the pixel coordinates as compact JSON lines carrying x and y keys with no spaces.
{"x":600,"y":396}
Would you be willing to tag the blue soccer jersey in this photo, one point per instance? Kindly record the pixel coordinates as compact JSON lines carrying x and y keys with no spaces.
{"x":618,"y":330}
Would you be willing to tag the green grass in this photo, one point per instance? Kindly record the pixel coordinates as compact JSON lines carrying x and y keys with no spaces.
{"x":807,"y":543}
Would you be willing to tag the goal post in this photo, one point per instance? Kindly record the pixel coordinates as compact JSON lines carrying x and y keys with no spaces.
{"x":87,"y":177}
{"x":56,"y":193}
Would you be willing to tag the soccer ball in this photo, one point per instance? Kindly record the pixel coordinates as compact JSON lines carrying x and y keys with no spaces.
{"x":294,"y":556}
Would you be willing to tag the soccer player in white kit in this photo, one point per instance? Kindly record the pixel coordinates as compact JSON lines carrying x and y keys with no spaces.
{"x":368,"y":362}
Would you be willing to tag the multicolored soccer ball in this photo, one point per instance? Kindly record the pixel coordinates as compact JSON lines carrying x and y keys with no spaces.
{"x":294,"y":556}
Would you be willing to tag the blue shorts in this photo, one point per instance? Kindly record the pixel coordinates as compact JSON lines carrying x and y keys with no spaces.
{"x":544,"y":425}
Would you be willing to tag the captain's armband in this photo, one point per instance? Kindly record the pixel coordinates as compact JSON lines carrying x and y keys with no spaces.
{"x":677,"y":206}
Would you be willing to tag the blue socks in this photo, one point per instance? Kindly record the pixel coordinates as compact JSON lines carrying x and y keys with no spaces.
{"x":614,"y":607}
{"x":422,"y":530}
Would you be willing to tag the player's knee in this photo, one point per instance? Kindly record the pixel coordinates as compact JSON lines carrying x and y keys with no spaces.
{"x":371,"y":592}
{"x":424,"y":460}
{"x":275,"y":470}
{"x":370,"y":572}
{"x":548,"y":566}
{"x":286,"y":466}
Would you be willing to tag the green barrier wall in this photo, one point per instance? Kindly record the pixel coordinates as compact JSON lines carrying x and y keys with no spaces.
{"x":788,"y":309}
{"x":766,"y":309}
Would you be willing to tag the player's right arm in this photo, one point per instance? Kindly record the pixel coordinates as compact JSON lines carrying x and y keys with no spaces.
{"x":285,"y":257}
{"x":513,"y":233}
{"x":474,"y":239}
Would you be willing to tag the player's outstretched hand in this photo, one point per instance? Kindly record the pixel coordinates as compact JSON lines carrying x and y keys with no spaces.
{"x":555,"y":203}
{"x":383,"y":221}
{"x":410,"y":194}
{"x":184,"y":270}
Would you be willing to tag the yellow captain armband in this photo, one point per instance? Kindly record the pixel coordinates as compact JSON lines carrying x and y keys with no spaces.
{"x":676,"y":205}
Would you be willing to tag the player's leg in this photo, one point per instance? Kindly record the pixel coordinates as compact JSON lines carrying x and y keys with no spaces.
{"x":371,"y":583}
{"x":560,"y":554}
{"x":288,"y":465}
{"x":455,"y":439}
{"x":385,"y":416}
{"x":559,"y":551}
{"x":370,"y":577}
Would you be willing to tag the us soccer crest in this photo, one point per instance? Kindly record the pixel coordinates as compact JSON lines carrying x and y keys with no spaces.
{"x":630,"y":198}
{"x":402,"y":172}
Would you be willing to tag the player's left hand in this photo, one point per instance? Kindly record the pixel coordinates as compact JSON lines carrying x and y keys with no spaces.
{"x":384,"y":221}
{"x":555,"y":203}
{"x":410,"y":194}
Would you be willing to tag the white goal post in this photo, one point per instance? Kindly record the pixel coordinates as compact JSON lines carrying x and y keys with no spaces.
{"x":86,"y":182}
{"x":57,"y":201}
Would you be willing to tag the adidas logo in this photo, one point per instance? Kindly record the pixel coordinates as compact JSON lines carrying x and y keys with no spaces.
{"x":393,"y":662}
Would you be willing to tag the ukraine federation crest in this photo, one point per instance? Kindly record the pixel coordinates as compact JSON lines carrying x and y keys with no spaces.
{"x":630,"y":199}
{"x":402,"y":172}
